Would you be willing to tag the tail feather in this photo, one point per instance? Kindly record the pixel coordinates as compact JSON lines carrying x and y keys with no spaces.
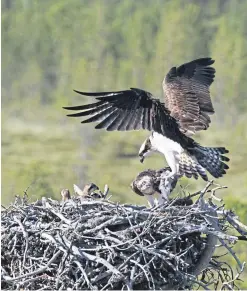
{"x":212,"y":159}
{"x":201,"y":159}
{"x":225,"y":159}
{"x":190,"y":167}
{"x":195,"y":175}
{"x":202,"y":172}
{"x":188,"y":171}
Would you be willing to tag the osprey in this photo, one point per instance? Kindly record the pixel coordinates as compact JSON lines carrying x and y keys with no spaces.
{"x":88,"y":191}
{"x":65,"y":194}
{"x":149,"y":182}
{"x":185,"y":111}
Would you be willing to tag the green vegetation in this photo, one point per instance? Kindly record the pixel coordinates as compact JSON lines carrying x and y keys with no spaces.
{"x":52,"y":47}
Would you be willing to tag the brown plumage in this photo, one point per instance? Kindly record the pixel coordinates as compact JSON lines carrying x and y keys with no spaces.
{"x":65,"y":194}
{"x":186,"y":110}
{"x":88,"y":191}
{"x":149,"y":182}
{"x":146,"y":183}
{"x":187,"y":96}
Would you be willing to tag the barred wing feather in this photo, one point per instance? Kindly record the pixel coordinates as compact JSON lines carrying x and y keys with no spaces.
{"x":187,"y":96}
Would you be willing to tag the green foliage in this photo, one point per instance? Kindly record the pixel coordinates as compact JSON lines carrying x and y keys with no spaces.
{"x":52,"y":47}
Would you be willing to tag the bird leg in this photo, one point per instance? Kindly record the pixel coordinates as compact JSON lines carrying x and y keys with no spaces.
{"x":165,"y":187}
{"x":161,"y":200}
{"x":151,"y":201}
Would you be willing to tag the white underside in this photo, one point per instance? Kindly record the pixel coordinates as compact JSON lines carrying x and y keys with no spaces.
{"x":169,"y":148}
{"x":151,"y":200}
{"x":172,"y":151}
{"x":165,"y":187}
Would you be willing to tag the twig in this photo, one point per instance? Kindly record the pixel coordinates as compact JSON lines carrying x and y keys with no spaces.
{"x":25,"y":235}
{"x":99,"y":244}
{"x":41,"y":270}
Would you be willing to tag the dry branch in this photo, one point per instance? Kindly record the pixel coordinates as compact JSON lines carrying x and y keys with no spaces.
{"x":98,"y":244}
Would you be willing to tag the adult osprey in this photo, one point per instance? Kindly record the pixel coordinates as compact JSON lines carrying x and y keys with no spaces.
{"x":186,"y":110}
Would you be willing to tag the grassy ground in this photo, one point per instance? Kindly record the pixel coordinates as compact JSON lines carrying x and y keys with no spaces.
{"x":54,"y":155}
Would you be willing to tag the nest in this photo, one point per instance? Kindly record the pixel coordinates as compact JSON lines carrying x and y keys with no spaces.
{"x":91,"y":244}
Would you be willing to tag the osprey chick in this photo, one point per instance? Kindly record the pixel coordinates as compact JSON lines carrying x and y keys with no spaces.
{"x":65,"y":194}
{"x":88,"y":191}
{"x":186,"y":110}
{"x":149,"y":182}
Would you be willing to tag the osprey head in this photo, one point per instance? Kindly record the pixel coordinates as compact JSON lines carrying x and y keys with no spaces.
{"x":65,"y":194}
{"x":146,"y":149}
{"x":135,"y":188}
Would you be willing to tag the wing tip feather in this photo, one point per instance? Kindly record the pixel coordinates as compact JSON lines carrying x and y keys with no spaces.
{"x":86,"y":93}
{"x":68,"y":107}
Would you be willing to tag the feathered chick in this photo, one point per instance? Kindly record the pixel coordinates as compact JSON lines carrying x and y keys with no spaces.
{"x":149,"y":182}
{"x":88,"y":190}
{"x":65,"y":194}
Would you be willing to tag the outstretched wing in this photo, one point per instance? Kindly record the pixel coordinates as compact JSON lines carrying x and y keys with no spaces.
{"x":187,"y":95}
{"x":128,"y":110}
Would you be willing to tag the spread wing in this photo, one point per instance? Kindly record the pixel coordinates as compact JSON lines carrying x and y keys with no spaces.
{"x":187,"y":95}
{"x":128,"y":110}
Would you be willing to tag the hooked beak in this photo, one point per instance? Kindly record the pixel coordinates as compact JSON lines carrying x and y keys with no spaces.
{"x":141,"y":158}
{"x":145,"y":149}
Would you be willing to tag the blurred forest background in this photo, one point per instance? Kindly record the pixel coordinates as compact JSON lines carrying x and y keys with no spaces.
{"x":51,"y":47}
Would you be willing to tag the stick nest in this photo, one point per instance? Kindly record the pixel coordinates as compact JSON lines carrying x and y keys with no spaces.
{"x":90,"y":244}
